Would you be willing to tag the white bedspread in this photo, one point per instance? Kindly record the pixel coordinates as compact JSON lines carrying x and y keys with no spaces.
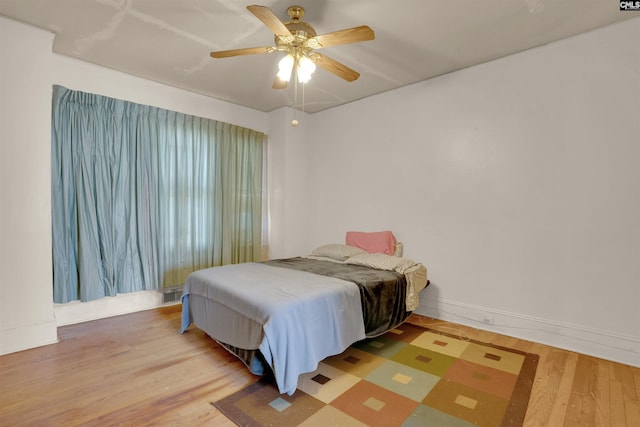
{"x":295,"y":318}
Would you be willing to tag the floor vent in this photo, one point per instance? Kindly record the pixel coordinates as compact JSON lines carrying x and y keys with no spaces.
{"x":172,"y":294}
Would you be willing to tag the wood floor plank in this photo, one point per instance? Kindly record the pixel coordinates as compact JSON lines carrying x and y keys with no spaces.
{"x":603,"y":395}
{"x":137,"y":369}
{"x":545,"y":387}
{"x":630,"y":396}
{"x":617,"y":395}
{"x":636,"y":376}
{"x":581,"y":403}
{"x":563,"y":391}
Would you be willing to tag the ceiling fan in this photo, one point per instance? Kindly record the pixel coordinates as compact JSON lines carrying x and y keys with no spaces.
{"x":300,"y":41}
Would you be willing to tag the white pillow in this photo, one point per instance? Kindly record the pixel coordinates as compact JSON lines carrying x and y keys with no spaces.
{"x":337,"y":251}
{"x":381,"y":262}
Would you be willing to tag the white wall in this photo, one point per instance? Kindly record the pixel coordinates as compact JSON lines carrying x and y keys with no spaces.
{"x":515,"y":182}
{"x":26,"y":311}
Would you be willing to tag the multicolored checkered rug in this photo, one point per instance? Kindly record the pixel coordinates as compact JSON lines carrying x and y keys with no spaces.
{"x":410,"y":376}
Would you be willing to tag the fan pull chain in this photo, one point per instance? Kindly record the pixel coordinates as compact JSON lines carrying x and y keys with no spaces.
{"x":294,"y":122}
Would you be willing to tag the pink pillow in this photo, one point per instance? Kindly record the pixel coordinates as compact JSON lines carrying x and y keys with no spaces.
{"x":383,"y":242}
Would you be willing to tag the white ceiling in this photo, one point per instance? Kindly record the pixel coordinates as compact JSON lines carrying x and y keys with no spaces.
{"x":169,"y":40}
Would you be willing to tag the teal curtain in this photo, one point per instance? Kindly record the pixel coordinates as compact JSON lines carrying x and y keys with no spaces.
{"x":143,"y":196}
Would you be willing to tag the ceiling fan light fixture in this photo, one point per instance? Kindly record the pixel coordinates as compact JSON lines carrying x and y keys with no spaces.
{"x":285,"y":67}
{"x":306,"y":67}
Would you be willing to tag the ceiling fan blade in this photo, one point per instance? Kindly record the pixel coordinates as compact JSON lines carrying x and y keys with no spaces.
{"x":238,"y":52}
{"x":279,"y":84}
{"x":269,"y":19}
{"x":349,"y":35}
{"x":335,"y":67}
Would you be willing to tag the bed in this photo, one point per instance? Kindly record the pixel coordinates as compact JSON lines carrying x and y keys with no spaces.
{"x":282,"y":317}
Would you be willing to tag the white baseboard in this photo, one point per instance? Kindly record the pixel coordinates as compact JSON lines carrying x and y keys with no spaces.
{"x":603,"y":344}
{"x":29,"y":336}
{"x":78,"y":312}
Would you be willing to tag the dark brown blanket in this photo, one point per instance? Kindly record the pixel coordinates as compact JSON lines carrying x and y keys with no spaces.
{"x":382,"y":292}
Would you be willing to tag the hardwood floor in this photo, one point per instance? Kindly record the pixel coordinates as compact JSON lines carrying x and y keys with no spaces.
{"x":138,"y":370}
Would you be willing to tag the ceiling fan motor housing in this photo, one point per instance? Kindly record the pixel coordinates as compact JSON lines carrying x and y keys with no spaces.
{"x":300,"y":31}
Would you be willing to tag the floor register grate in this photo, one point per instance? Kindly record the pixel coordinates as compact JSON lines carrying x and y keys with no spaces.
{"x":172,"y":294}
